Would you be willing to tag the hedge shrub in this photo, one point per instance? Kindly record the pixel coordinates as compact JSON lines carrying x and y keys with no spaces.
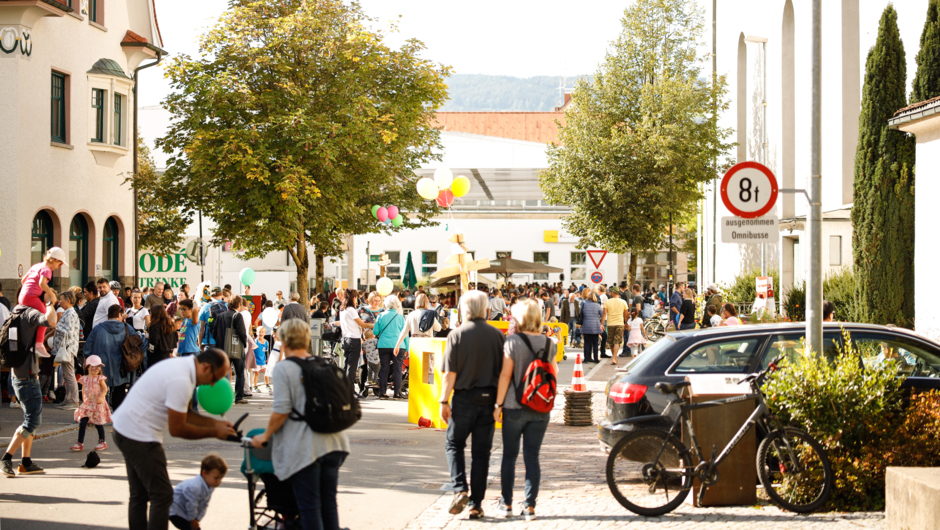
{"x":743,"y":290}
{"x":838,"y":288}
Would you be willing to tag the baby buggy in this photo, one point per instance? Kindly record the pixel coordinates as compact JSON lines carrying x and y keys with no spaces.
{"x":271,"y":503}
{"x":371,"y":370}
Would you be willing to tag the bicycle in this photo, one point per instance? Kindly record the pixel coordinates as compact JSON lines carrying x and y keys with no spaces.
{"x":656,"y":326}
{"x":648,"y":465}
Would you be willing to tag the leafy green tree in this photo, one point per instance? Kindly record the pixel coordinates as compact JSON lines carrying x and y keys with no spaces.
{"x":927,"y":78}
{"x":295,"y":120}
{"x":641,"y":136}
{"x":883,"y":195}
{"x":160,"y":223}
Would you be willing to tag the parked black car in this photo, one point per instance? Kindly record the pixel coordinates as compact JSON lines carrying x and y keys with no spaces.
{"x":741,"y":350}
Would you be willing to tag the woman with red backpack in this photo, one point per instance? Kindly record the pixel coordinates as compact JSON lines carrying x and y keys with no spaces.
{"x":524,"y":400}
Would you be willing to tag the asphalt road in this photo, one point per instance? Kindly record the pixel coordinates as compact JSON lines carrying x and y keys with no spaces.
{"x":394,"y":472}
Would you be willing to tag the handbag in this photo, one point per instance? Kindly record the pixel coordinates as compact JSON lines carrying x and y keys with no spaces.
{"x":233,"y":344}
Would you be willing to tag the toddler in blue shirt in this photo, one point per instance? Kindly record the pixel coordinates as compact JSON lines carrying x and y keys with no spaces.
{"x":191,"y":497}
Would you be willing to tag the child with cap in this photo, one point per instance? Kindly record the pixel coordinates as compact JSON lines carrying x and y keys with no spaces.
{"x":94,"y":409}
{"x":191,"y":497}
{"x":35,"y":284}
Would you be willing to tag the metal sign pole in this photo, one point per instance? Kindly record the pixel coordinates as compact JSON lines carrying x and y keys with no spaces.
{"x":814,"y":291}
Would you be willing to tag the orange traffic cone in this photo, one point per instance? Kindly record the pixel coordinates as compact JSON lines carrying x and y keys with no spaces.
{"x":577,"y":378}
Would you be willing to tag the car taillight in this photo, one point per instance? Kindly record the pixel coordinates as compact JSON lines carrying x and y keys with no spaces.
{"x":627,"y":392}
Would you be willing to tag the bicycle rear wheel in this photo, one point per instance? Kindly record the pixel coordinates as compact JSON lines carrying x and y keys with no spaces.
{"x":794,"y":470}
{"x":647,"y":472}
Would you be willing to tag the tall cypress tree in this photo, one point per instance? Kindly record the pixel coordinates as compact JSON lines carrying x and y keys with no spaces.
{"x":927,"y":79}
{"x":883,"y":210}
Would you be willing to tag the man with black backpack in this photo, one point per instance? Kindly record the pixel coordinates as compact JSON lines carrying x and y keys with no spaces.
{"x":107,"y":341}
{"x":314,"y":402}
{"x":207,"y":315}
{"x":18,"y":353}
{"x":473,"y":358}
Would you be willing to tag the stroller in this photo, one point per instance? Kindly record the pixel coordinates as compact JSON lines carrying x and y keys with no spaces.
{"x":372,"y":376}
{"x":271,"y":504}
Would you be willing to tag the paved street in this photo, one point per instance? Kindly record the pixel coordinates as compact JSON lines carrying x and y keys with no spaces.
{"x":392,"y":480}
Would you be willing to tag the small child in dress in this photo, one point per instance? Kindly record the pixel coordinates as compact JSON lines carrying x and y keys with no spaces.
{"x":191,"y":497}
{"x":94,"y":409}
{"x":638,"y":337}
{"x":260,"y":353}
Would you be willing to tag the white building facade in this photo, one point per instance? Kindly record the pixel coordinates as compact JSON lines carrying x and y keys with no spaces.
{"x":764,"y":50}
{"x":66,"y":73}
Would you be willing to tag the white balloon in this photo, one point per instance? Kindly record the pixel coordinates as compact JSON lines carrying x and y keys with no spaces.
{"x":384,"y":286}
{"x":443,"y":177}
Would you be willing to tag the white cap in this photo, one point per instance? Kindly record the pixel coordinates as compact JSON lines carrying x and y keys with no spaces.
{"x":58,"y":253}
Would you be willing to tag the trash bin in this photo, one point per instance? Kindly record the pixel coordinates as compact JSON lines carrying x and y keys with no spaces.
{"x":737,"y":475}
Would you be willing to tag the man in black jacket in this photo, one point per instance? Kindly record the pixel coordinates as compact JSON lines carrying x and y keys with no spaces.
{"x":88,"y":310}
{"x":231,"y":319}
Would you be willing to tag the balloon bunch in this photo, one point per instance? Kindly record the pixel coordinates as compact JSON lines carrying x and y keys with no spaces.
{"x":444,"y":187}
{"x":389,"y":216}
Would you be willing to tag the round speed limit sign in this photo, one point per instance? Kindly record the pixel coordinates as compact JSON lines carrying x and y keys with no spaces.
{"x":749,"y":190}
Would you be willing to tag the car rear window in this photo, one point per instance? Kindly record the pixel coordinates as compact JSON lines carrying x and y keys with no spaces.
{"x":723,"y":356}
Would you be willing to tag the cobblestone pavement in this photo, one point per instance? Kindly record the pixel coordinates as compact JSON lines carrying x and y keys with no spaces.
{"x":574,"y":493}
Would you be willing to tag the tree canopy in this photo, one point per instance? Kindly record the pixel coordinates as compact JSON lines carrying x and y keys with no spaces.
{"x":295,"y":120}
{"x":927,"y":78}
{"x":642,"y":135}
{"x":883,"y":193}
{"x":160,"y":222}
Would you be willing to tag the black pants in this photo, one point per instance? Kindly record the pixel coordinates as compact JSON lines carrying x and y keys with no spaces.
{"x":239,"y":366}
{"x":590,"y":347}
{"x":116,"y":395}
{"x":352,"y":349}
{"x":468,"y":420}
{"x":388,"y":358}
{"x":181,"y":523}
{"x":149,"y":483}
{"x":156,"y":356}
{"x":81,"y":430}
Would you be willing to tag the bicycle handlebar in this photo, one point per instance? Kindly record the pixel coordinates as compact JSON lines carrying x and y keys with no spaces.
{"x":760,"y":376}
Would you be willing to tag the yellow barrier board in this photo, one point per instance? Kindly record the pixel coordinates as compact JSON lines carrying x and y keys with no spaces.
{"x":424,"y":380}
{"x":558,"y":330}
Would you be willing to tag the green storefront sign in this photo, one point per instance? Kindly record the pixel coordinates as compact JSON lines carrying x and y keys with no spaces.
{"x":165,"y":268}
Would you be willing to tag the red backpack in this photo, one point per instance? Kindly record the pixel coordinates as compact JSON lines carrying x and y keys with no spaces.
{"x":539,"y":384}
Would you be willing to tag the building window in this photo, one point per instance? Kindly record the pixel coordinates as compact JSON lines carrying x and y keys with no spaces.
{"x":41,"y":236}
{"x":78,"y":251}
{"x":58,"y":108}
{"x":835,"y":251}
{"x":504,"y":254}
{"x":96,"y":11}
{"x":118,"y":98}
{"x":579,"y":265}
{"x":97,"y":103}
{"x":428,"y":263}
{"x":393,"y":269}
{"x":109,"y":266}
{"x":540,"y":258}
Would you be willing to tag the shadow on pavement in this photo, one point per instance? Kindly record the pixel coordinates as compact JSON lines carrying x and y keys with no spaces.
{"x":40,"y":499}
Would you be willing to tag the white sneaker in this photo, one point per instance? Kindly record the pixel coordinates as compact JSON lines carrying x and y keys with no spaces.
{"x":41,"y":351}
{"x":529,"y":513}
{"x":14,"y":405}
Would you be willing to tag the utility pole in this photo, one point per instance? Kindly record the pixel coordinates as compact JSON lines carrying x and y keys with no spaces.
{"x":669,"y":280}
{"x":202,"y":253}
{"x":368,"y":265}
{"x":715,"y":117}
{"x":814,"y":291}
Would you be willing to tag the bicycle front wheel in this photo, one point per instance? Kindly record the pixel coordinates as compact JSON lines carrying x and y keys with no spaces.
{"x":649,"y":472}
{"x":794,"y":470}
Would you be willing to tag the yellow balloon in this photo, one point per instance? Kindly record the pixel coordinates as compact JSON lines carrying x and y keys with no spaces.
{"x":460,"y":186}
{"x":427,"y":189}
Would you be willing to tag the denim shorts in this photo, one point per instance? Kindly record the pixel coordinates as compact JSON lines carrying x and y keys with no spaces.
{"x":29,"y":394}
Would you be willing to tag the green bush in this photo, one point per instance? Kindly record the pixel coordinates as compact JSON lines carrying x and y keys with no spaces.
{"x":743,"y":290}
{"x":854,"y":412}
{"x":838,"y":288}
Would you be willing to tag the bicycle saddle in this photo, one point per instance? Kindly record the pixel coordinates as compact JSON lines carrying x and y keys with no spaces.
{"x":672,"y":388}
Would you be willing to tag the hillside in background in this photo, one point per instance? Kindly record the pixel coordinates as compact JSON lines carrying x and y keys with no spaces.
{"x":477,"y":92}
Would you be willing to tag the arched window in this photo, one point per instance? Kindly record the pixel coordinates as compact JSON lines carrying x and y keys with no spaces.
{"x":42,"y":236}
{"x":109,"y":267}
{"x":78,"y":251}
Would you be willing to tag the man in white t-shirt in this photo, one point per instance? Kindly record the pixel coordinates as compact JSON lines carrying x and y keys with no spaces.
{"x":159,"y":401}
{"x":106,"y":299}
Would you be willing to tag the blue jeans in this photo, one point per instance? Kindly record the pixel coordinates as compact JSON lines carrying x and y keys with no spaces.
{"x":315,"y":489}
{"x":29,"y":394}
{"x":468,"y":419}
{"x":530,"y":426}
{"x":574,"y":332}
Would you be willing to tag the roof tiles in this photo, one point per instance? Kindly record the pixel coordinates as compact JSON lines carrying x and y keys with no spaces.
{"x":537,"y":127}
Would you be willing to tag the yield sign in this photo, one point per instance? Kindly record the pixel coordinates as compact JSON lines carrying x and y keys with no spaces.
{"x":597,"y":257}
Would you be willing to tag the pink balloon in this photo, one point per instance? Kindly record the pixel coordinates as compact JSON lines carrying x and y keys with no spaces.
{"x":381,"y":214}
{"x":392,"y":211}
{"x":445,"y":198}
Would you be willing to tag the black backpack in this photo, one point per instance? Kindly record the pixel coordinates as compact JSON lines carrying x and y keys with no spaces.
{"x":332,"y":405}
{"x":426,"y":320}
{"x":12,"y":353}
{"x":215,"y":310}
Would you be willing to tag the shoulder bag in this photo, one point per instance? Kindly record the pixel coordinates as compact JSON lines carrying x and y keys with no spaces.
{"x":233,"y":344}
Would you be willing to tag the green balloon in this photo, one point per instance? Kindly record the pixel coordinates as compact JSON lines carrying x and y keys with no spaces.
{"x":397,"y":220}
{"x":216,"y":399}
{"x":247,"y":276}
{"x":375,"y":209}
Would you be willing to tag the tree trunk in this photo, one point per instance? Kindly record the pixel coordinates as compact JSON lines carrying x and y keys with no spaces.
{"x":320,"y":273}
{"x":302,"y":261}
{"x":631,"y":271}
